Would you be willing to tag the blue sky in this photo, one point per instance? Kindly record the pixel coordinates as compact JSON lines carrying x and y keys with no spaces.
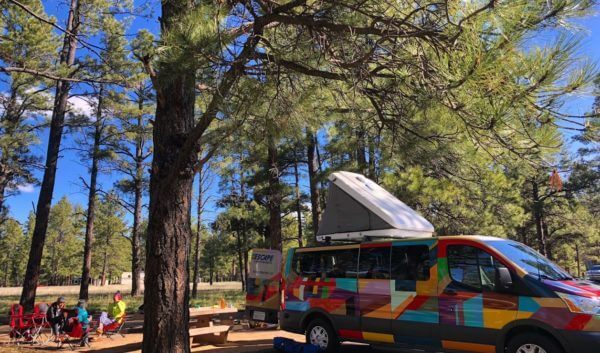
{"x":71,"y":168}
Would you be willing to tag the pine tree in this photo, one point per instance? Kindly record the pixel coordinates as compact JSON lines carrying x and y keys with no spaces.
{"x":405,"y":63}
{"x":26,"y":43}
{"x":84,"y":17}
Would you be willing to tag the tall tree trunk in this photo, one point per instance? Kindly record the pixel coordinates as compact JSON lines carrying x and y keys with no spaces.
{"x":198,"y":234}
{"x":104,"y":268}
{"x":313,"y":169}
{"x":240,"y":257}
{"x":136,"y":256}
{"x":298,"y":202}
{"x":578,"y":259}
{"x":372,"y":160}
{"x":538,"y":209}
{"x":361,"y":158}
{"x":166,"y":306}
{"x":274,"y":195}
{"x":91,"y":211}
{"x":3,"y":185}
{"x":38,"y":238}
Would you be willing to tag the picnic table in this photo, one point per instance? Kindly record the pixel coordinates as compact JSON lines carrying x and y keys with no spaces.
{"x":201,"y":325}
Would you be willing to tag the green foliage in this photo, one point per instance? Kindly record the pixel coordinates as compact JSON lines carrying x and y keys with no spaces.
{"x":111,"y":255}
{"x":15,"y":245}
{"x":64,"y":243}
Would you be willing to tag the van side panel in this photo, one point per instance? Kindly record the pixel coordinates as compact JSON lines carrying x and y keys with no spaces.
{"x":414,"y":306}
{"x":337,"y":298}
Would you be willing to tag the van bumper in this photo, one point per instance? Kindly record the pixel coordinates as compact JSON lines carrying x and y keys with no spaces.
{"x":291,"y":321}
{"x":581,"y":341}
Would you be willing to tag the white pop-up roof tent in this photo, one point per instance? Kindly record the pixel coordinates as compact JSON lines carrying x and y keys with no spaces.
{"x":358,"y":208}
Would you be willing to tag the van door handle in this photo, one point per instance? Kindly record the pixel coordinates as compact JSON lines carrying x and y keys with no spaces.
{"x":449,"y":291}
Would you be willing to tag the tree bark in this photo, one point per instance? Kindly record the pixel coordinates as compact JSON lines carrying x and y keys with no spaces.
{"x":313,"y":169}
{"x":38,"y":238}
{"x":166,"y":305}
{"x":240,"y":257}
{"x":298,"y":202}
{"x":538,"y":209}
{"x":136,"y":257}
{"x":91,"y":211}
{"x":198,"y":234}
{"x":274,"y":195}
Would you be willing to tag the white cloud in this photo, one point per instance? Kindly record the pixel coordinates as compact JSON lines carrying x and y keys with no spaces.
{"x":26,"y":188}
{"x":81,"y":106}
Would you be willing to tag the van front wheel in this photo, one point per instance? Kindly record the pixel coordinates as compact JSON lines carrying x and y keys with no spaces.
{"x":533,"y":343}
{"x":320,"y":333}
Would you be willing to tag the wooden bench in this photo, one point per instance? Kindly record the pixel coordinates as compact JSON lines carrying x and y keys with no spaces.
{"x":210,"y":334}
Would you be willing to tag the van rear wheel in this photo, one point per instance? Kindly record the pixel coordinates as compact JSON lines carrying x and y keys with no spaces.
{"x":533,"y":343}
{"x":320,"y":333}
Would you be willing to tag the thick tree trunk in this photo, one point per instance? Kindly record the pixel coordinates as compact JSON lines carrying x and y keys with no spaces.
{"x":274,"y":195}
{"x":166,"y":298}
{"x":198,"y":235}
{"x":136,"y":256}
{"x":91,"y":211}
{"x":313,"y":169}
{"x":298,"y":202}
{"x":38,"y":238}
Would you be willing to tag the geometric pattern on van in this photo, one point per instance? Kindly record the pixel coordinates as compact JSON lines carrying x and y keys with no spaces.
{"x":335,"y":296}
{"x":402,"y":299}
{"x":263,"y":292}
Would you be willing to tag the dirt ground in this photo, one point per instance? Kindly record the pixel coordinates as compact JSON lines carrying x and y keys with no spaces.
{"x":246,"y":341}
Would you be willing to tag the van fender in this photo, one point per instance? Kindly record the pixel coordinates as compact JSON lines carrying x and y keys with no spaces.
{"x":524,"y":324}
{"x":316,"y":312}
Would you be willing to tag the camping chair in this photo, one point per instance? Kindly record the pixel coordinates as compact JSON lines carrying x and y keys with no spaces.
{"x":115,"y":328}
{"x":42,"y":330}
{"x":74,"y":335}
{"x":19,"y":325}
{"x":25,"y":328}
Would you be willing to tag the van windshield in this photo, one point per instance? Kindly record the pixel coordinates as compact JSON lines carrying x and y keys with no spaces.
{"x":530,"y":260}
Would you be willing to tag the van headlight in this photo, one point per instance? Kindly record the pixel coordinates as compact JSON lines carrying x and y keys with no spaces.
{"x":583,"y":305}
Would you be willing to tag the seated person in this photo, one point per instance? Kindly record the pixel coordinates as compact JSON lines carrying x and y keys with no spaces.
{"x":82,"y":315}
{"x":56,"y":316}
{"x":114,"y":314}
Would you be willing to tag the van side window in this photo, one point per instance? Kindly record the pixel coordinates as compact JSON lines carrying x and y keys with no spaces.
{"x":409,"y":265}
{"x":472,"y":268}
{"x":327,"y":264}
{"x":375,"y":263}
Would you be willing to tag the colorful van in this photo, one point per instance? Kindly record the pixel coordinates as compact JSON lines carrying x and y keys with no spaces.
{"x":452,"y":293}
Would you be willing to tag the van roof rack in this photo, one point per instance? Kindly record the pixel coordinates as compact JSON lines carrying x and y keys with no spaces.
{"x":358,"y":237}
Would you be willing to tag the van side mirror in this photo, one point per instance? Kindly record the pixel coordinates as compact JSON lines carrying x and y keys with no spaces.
{"x":503,"y":278}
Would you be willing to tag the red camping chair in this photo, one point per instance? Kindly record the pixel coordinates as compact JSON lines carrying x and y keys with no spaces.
{"x":115,"y":328}
{"x":23,"y":328}
{"x":43,"y":328}
{"x":74,"y":335}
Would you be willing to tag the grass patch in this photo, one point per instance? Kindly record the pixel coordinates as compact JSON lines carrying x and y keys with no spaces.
{"x":99,"y":302}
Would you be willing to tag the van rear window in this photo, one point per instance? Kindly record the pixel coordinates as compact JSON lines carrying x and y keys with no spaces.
{"x":326,"y":264}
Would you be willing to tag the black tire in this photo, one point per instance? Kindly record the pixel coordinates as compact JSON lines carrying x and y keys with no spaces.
{"x":329,"y":341}
{"x":525,"y":341}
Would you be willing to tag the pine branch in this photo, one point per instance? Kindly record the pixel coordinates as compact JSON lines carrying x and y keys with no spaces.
{"x":48,"y":75}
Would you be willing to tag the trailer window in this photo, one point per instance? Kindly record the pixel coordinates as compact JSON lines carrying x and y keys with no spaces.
{"x":409,"y":265}
{"x":327,"y":264}
{"x":375,"y":263}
